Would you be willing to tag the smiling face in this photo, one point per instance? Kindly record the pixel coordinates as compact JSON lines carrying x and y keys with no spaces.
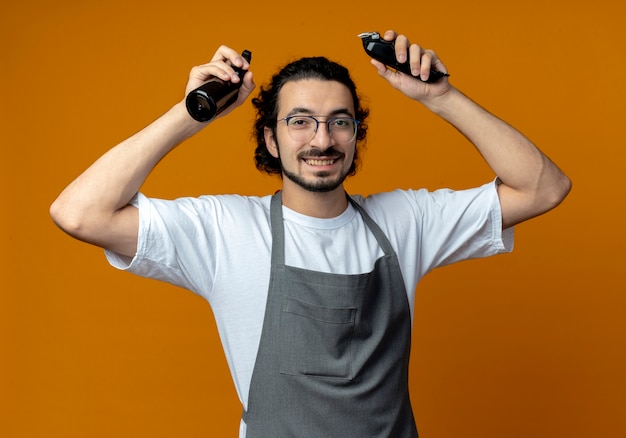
{"x":320,"y":164}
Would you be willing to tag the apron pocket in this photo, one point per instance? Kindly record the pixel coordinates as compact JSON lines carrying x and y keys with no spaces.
{"x":315,"y":340}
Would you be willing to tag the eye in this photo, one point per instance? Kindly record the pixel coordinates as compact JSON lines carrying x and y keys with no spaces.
{"x":299,"y":122}
{"x":342,"y":123}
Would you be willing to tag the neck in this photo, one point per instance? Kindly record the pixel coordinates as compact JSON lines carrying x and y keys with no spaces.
{"x":315,"y":204}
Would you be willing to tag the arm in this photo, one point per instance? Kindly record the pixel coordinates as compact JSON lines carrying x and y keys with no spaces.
{"x":95,"y":206}
{"x":531,"y":184}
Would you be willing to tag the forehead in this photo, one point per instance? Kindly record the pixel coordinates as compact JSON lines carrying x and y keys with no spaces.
{"x":316,"y":96}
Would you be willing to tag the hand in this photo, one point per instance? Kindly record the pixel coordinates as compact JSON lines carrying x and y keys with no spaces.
{"x":221,"y":66}
{"x":421,"y":61}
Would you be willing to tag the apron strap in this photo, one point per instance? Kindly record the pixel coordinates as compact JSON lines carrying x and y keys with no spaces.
{"x":382,"y":239}
{"x":278,"y":231}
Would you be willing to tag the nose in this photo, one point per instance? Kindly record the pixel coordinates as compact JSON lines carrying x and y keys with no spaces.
{"x":322,"y":138}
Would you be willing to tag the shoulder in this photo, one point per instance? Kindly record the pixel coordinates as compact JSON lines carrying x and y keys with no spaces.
{"x":208,"y":216}
{"x":205,"y":204}
{"x":394,"y":203}
{"x":422,"y":200}
{"x":409,"y":208}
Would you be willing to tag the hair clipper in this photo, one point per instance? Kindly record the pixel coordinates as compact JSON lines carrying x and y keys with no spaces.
{"x":212,"y":97}
{"x":385,"y":52}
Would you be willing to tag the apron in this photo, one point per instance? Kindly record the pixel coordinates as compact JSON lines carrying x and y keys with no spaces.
{"x":334,"y":351}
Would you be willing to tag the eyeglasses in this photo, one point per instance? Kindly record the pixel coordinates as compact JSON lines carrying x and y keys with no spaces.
{"x":304,"y":128}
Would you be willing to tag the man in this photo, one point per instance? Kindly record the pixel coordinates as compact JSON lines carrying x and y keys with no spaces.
{"x":312,"y":289}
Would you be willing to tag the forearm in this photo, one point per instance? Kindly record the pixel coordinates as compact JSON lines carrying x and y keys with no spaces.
{"x":95,"y":207}
{"x":505,"y":149}
{"x":531,"y":183}
{"x":109,"y":184}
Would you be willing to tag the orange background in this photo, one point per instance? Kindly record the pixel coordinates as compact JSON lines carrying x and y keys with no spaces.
{"x":530,"y":344}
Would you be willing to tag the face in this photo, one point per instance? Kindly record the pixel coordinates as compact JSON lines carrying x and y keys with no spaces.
{"x":321,"y":164}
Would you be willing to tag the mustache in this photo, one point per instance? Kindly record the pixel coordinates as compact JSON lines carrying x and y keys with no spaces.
{"x":331,"y":152}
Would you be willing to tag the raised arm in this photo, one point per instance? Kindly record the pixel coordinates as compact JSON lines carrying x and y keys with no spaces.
{"x":531,"y":184}
{"x":95,"y":206}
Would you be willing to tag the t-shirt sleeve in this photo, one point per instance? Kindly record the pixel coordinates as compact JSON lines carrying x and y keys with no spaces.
{"x":173,"y":246}
{"x":437,"y":228}
{"x":464,"y":224}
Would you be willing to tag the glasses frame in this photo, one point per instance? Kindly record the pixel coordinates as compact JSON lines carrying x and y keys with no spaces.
{"x":317,"y":125}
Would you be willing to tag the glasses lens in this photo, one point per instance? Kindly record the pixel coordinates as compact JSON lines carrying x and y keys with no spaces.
{"x":303,"y":128}
{"x":342,"y":129}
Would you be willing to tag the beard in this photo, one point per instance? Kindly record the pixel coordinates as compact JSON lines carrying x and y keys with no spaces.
{"x":320,"y":185}
{"x":321,"y":182}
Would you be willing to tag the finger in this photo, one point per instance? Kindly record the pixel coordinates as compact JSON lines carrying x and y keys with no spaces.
{"x":427,"y":58}
{"x":401,"y":44}
{"x":245,"y":90}
{"x":415,"y":59}
{"x":402,"y":48}
{"x":438,"y":65}
{"x":392,"y":76}
{"x":390,"y":35}
{"x":225,"y":58}
{"x":214,"y":68}
{"x":247,"y":86}
{"x":225,"y":53}
{"x":380,"y":67}
{"x":430,"y":62}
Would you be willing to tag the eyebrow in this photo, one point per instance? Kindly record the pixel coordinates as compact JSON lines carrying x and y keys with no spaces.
{"x":303,"y":110}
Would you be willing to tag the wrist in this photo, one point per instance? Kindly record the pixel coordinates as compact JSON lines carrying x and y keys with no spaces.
{"x":442,"y":103}
{"x":183,"y":120}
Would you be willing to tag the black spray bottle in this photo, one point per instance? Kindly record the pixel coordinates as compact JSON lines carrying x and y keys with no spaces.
{"x":211,"y":98}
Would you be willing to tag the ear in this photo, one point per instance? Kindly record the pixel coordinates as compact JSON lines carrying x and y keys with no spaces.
{"x":270,"y":142}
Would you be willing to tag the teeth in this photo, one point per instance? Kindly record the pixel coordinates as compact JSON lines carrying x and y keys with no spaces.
{"x":319,"y":162}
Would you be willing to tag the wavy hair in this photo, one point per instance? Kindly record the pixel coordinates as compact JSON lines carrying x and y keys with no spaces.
{"x":266,"y":104}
